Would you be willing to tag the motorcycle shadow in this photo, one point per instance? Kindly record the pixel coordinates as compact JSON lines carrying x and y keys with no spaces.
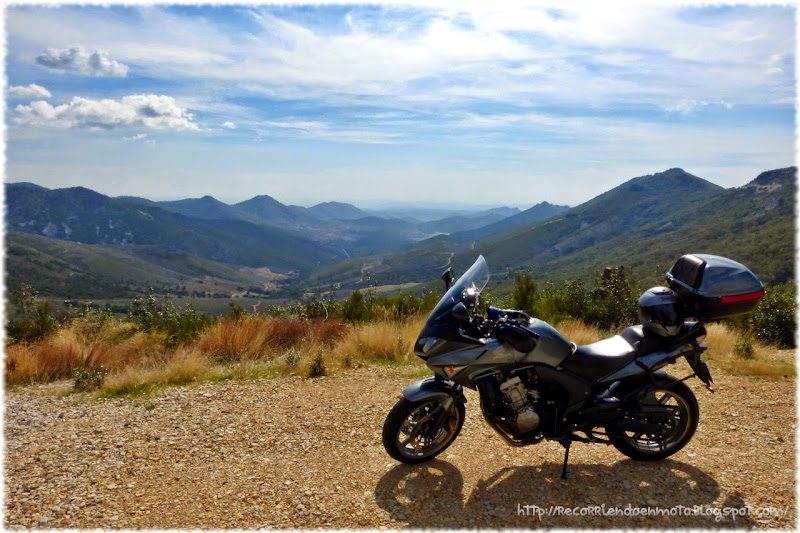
{"x":431,"y":495}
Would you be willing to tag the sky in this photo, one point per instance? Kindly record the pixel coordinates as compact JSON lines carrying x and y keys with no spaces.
{"x":483,"y":104}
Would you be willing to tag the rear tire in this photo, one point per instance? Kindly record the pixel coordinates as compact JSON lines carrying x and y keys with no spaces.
{"x":676,"y":435}
{"x":406,"y":440}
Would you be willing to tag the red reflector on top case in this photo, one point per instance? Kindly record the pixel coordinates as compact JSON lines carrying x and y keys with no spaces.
{"x":743,"y":297}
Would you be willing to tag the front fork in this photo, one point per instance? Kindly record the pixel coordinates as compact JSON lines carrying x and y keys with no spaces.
{"x":435,"y":388}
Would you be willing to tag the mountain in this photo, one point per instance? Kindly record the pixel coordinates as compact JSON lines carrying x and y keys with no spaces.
{"x":207,"y":207}
{"x":645,"y":223}
{"x":537,"y":213}
{"x":269,"y":210}
{"x":81,"y":215}
{"x":81,"y":243}
{"x":336,"y":211}
{"x":465,"y":223}
{"x":620,"y":211}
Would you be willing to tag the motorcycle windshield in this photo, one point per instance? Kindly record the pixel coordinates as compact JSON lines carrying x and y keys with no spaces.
{"x":477,"y":276}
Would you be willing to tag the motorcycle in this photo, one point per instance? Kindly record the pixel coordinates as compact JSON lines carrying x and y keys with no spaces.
{"x":534,"y":384}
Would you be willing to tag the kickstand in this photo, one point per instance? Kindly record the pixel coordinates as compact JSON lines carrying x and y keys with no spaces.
{"x":566,"y":458}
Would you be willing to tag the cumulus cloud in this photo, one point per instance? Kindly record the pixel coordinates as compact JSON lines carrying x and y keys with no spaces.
{"x":29,"y":91}
{"x":229,"y":125}
{"x":81,"y":61}
{"x":138,"y":110}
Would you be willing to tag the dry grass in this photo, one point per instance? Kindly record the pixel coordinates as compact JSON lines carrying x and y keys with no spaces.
{"x":256,"y":347}
{"x":182,"y":366}
{"x":259,"y":337}
{"x":391,"y":342}
{"x":113,"y":345}
{"x":766,"y":361}
{"x":578,"y":332}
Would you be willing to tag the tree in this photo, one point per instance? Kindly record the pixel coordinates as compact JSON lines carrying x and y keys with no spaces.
{"x":523,"y":295}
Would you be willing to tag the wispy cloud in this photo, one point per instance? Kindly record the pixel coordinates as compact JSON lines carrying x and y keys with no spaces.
{"x":139,"y":110}
{"x":444,"y":89}
{"x":29,"y":91}
{"x":321,"y":131}
{"x":80,"y":61}
{"x":140,"y":138}
{"x":688,"y":105}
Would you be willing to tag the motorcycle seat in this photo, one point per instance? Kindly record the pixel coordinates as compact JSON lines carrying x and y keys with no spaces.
{"x":601,"y":358}
{"x":642,"y":341}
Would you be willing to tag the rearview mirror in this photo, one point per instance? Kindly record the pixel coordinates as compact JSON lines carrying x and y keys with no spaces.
{"x":459,"y":311}
{"x":447,"y":276}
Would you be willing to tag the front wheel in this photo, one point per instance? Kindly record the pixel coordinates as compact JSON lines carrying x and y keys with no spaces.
{"x":415,"y":432}
{"x":662,"y":422}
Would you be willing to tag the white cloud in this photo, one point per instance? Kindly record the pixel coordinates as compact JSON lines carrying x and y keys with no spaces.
{"x":76,"y":59}
{"x":138,"y":110}
{"x":29,"y":91}
{"x":502,"y":52}
{"x":686,"y":106}
{"x":229,"y":125}
{"x":322,"y":131}
{"x":139,"y":137}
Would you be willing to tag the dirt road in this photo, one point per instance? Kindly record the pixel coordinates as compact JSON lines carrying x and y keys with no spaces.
{"x":302,"y":453}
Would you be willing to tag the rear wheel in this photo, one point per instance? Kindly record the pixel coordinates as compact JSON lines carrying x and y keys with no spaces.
{"x":410,"y":432}
{"x":663,"y":421}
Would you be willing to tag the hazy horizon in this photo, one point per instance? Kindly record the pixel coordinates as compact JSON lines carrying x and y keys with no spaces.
{"x":418,"y":104}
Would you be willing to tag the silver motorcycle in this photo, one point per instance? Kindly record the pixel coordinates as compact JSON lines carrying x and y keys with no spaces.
{"x":535,"y":384}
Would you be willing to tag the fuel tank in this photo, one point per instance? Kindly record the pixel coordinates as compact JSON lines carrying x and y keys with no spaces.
{"x":551,"y":346}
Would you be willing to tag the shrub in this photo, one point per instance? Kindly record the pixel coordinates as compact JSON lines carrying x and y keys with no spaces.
{"x":29,"y":318}
{"x":355,"y":309}
{"x":292,"y":358}
{"x":523,"y":293}
{"x":743,"y":348}
{"x":773,"y":320}
{"x":614,"y":301}
{"x":88,"y":380}
{"x":317,"y":367}
{"x":180,"y":326}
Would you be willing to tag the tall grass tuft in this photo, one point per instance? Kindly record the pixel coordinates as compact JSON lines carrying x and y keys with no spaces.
{"x":257,"y":337}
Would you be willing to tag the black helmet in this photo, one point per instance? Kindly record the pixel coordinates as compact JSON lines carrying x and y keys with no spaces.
{"x":661,"y":311}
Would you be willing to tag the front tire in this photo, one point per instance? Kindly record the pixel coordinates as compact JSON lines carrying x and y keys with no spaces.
{"x":407,"y":431}
{"x":675,"y":434}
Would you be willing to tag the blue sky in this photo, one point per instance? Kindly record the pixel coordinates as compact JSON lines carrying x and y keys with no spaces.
{"x":481,"y":105}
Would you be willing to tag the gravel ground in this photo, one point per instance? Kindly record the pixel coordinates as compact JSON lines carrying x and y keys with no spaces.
{"x":303,"y":453}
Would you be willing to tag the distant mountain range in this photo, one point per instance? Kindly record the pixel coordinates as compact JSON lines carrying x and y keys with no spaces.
{"x":646,"y":223}
{"x":179,"y":235}
{"x":78,"y":243}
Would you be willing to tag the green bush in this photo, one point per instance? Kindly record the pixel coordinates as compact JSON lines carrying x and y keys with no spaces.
{"x":29,"y":319}
{"x":87,"y":380}
{"x":180,"y":325}
{"x":610,"y":303}
{"x":523,"y":293}
{"x":773,"y":320}
{"x":292,"y":358}
{"x":743,"y":348}
{"x":317,"y":367}
{"x":355,"y":309}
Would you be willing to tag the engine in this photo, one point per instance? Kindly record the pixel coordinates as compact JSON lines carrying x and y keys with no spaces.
{"x":516,"y":396}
